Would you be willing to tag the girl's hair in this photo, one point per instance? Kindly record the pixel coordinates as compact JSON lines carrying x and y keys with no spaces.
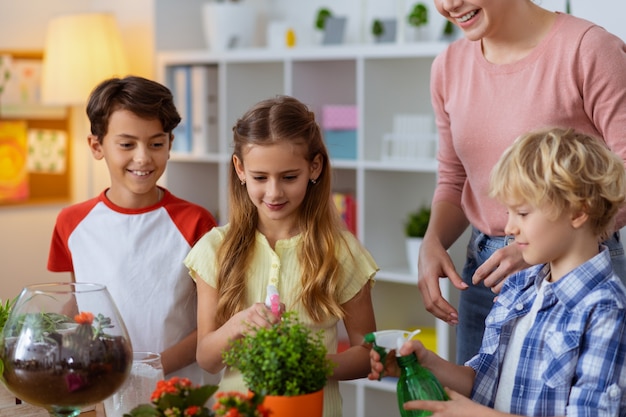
{"x":282,"y":120}
{"x":561,"y":169}
{"x":145,"y":98}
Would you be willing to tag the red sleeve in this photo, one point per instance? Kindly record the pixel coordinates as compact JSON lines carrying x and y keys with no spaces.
{"x":193,"y":221}
{"x":60,"y":257}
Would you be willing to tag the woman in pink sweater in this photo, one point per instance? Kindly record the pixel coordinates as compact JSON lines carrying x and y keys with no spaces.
{"x":519,"y":68}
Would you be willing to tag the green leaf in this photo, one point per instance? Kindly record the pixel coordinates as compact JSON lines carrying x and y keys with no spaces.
{"x":143,"y":410}
{"x":200,"y":396}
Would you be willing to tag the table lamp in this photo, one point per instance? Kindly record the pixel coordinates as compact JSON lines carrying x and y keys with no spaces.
{"x":81,"y":50}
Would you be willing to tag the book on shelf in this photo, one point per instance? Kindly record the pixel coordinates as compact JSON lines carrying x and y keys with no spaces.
{"x":204,"y":109}
{"x":346,"y":206}
{"x":194,"y":88}
{"x":181,"y":91}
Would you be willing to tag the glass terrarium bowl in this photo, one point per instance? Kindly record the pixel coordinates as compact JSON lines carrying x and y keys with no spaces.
{"x":64,"y":346}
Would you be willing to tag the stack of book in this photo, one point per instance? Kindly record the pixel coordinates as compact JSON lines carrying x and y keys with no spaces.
{"x":195,"y":88}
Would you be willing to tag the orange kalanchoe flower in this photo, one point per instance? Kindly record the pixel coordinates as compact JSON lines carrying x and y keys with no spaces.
{"x":176,"y":397}
{"x":84,"y":317}
{"x":192,"y":410}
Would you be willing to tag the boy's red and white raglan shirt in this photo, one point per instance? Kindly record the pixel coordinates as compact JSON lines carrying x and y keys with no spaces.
{"x":138,"y":255}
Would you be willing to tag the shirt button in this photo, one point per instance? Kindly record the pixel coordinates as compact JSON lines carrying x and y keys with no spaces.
{"x":519,"y":307}
{"x":274,"y":266}
{"x":614,"y":392}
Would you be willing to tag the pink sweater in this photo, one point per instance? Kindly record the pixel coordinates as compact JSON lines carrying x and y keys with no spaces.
{"x":576,"y":77}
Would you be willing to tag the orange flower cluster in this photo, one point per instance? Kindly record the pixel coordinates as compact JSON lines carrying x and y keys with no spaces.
{"x":176,"y":397}
{"x":173,"y":386}
{"x":84,"y":317}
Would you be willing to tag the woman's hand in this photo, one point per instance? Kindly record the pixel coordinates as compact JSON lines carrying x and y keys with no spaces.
{"x":447,"y":223}
{"x":434,"y":264}
{"x":504,"y":262}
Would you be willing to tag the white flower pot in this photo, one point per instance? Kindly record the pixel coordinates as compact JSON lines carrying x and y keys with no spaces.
{"x":412,"y":253}
{"x":228,"y":25}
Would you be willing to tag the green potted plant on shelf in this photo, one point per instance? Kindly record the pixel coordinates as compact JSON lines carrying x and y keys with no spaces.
{"x":329,"y":29}
{"x":418,"y":19}
{"x":384,"y":30}
{"x":414,"y":229}
{"x":286,"y":362}
{"x":320,"y":18}
{"x":378,"y":29}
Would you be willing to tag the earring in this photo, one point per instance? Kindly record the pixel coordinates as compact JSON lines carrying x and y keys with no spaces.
{"x":313,"y":181}
{"x":243,"y":182}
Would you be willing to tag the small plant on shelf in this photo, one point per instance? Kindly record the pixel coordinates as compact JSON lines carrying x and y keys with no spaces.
{"x":417,"y":222}
{"x":378,"y":28}
{"x":286,"y":359}
{"x":418,"y":16}
{"x":320,"y":19}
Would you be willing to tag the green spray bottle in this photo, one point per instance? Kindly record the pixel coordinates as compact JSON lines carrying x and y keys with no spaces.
{"x":415,"y":381}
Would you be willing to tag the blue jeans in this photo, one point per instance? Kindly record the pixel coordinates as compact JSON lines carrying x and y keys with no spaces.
{"x":476,"y":301}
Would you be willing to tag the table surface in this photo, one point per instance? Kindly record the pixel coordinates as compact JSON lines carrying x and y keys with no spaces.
{"x":8,"y":408}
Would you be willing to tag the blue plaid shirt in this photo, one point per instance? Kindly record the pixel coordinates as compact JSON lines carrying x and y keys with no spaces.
{"x":573,"y":357}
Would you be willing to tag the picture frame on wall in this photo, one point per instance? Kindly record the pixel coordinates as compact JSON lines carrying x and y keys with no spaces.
{"x":34,"y":139}
{"x":20,"y":87}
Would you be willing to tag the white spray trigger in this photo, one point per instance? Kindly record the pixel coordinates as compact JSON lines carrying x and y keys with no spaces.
{"x":403,"y":338}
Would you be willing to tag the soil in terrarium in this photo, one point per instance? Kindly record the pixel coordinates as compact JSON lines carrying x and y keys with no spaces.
{"x":52,"y":373}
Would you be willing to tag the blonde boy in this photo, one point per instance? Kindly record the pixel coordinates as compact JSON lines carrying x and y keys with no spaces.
{"x":555,"y":339}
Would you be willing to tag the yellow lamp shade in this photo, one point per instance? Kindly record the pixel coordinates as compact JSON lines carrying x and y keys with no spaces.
{"x":81,"y":51}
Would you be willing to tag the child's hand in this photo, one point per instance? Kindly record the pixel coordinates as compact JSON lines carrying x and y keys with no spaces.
{"x":389,"y":368}
{"x":457,"y":406}
{"x":256,"y":316}
{"x":415,"y":347}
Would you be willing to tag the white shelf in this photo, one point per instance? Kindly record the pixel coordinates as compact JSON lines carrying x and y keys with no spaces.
{"x":381,"y":81}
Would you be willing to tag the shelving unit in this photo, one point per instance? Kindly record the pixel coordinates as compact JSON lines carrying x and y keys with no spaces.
{"x":382,"y":81}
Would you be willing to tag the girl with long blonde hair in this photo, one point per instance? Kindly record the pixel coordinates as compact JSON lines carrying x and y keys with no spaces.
{"x":283,"y":230}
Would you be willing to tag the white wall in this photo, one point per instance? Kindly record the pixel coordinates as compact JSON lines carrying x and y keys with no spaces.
{"x":25,"y":231}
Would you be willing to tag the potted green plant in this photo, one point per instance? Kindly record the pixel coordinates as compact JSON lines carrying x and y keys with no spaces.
{"x":320,"y":18}
{"x":418,"y":19}
{"x":414,"y":229}
{"x":286,"y":362}
{"x":329,"y":29}
{"x":384,"y":30}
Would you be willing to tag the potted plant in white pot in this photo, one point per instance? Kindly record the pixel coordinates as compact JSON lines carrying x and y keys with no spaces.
{"x":418,"y":20}
{"x":415,"y":229}
{"x":287,"y":363}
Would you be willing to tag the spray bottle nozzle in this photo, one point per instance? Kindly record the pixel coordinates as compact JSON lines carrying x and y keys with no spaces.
{"x":272,"y":300}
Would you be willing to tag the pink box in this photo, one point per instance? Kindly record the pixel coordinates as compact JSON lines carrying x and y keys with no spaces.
{"x":338,"y":117}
